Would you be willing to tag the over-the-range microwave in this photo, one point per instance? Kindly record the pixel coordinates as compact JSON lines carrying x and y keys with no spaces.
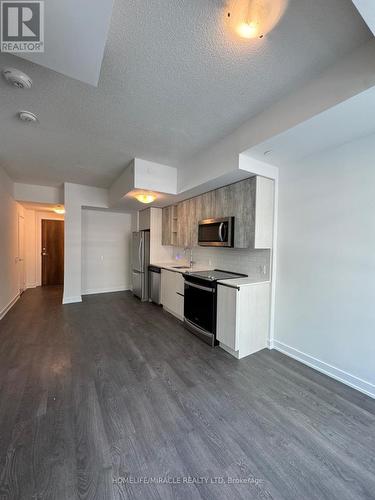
{"x":216,"y":232}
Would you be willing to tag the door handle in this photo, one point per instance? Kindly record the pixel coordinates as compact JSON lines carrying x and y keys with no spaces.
{"x":221,"y":231}
{"x":139,"y":254}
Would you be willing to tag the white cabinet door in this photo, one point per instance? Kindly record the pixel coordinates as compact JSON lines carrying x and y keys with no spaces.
{"x":179,"y":312}
{"x":180,"y":284}
{"x":226,"y":329}
{"x":171,"y":292}
{"x":180,"y":291}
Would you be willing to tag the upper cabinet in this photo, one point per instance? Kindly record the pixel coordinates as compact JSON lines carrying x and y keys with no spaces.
{"x":169,"y":226}
{"x":144,"y":221}
{"x":250,"y":202}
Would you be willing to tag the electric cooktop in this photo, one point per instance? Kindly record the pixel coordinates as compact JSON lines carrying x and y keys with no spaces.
{"x":215,"y":275}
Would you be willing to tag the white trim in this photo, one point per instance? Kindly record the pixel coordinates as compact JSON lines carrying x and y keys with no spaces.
{"x":229,"y":350}
{"x":31,"y":285}
{"x":8,"y":307}
{"x":93,"y":291}
{"x":342,"y":376}
{"x":72,"y":300}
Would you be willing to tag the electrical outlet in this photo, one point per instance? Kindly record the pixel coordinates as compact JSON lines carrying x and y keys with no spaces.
{"x":262,"y":269}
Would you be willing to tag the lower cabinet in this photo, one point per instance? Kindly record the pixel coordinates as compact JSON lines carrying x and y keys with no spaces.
{"x":172,"y":292}
{"x":243,"y":318}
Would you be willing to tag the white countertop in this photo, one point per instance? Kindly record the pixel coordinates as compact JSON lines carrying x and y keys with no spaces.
{"x":170,"y":266}
{"x":234,"y":282}
{"x":239,"y":282}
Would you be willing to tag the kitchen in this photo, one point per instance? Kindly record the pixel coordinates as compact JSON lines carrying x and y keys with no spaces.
{"x":207,"y":261}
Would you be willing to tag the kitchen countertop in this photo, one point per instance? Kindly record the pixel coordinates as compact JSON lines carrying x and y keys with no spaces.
{"x":234,"y":282}
{"x":169,"y":267}
{"x":239,"y":282}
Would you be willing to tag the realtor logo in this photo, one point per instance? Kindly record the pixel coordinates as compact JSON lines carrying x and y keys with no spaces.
{"x":22,"y":26}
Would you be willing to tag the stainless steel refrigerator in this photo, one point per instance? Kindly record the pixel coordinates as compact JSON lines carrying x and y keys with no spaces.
{"x":140,"y":263}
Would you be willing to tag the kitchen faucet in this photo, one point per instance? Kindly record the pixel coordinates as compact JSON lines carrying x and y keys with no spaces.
{"x":191,"y":262}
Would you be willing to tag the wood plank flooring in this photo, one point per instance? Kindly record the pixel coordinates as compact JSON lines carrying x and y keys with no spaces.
{"x":101,"y":399}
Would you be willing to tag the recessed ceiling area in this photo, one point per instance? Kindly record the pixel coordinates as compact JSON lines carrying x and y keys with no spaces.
{"x":75,"y":38}
{"x":343,"y":123}
{"x":172,"y":82}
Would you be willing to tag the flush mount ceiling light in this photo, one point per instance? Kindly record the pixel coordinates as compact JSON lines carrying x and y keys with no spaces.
{"x":17,"y":78}
{"x":145,"y":197}
{"x":254,"y":18}
{"x":59,"y":210}
{"x":27,"y":116}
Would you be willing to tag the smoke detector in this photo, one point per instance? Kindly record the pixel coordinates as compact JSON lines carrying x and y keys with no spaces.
{"x":17,"y":78}
{"x":27,"y":116}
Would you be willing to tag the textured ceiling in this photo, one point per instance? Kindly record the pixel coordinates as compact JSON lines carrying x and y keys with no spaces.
{"x":172,"y":82}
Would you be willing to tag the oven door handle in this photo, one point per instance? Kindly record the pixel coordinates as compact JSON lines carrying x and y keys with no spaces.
{"x":194,"y":285}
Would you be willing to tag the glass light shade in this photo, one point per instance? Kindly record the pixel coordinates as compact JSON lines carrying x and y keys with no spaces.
{"x":59,"y":210}
{"x":145,"y":197}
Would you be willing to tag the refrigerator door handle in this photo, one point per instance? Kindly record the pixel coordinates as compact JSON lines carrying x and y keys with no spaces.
{"x":140,"y":255}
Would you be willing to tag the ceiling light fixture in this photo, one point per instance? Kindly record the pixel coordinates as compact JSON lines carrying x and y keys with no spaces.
{"x":253,"y":19}
{"x":59,"y":210}
{"x":17,"y":78}
{"x":145,"y":197}
{"x":27,"y":116}
{"x":248,"y":30}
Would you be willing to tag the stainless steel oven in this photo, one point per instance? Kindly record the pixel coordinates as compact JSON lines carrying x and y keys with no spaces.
{"x":216,"y":232}
{"x":200,"y":302}
{"x":200,"y":308}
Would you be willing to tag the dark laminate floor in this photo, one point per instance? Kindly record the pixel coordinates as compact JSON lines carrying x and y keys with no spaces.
{"x":94,"y":393}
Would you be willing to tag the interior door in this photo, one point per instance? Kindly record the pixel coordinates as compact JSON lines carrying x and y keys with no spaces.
{"x":21,"y":251}
{"x":52,"y":252}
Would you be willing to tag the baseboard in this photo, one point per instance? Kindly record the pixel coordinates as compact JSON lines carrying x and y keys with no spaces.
{"x":72,"y":300}
{"x":342,"y":376}
{"x":93,"y":291}
{"x":9,"y":306}
{"x":229,"y":350}
{"x":31,"y":285}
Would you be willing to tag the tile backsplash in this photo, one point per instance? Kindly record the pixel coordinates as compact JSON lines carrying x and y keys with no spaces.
{"x":255,"y":263}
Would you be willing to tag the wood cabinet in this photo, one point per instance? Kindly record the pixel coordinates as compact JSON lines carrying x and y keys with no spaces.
{"x":169,"y":226}
{"x":172,"y":291}
{"x":243,"y":318}
{"x":144,"y":219}
{"x":250,"y":202}
{"x":183,"y":224}
{"x":166,"y":231}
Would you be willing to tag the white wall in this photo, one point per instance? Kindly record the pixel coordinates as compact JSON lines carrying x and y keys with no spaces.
{"x":9,"y":267}
{"x":106,"y":238}
{"x":325,"y":312}
{"x":38,"y":194}
{"x":30,"y":249}
{"x":77,"y":196}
